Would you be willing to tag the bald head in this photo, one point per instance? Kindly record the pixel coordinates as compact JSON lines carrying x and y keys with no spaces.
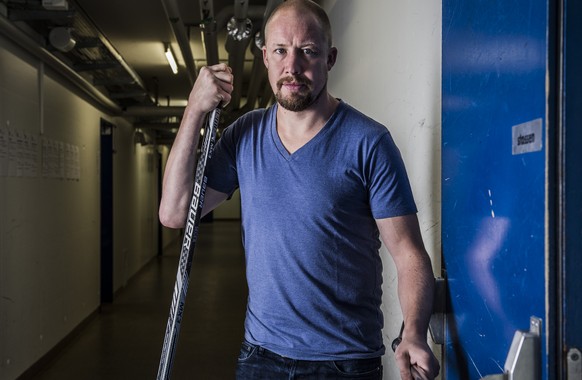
{"x":303,"y":7}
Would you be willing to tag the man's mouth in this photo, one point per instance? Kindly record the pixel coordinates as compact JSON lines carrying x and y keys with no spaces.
{"x":293,"y":83}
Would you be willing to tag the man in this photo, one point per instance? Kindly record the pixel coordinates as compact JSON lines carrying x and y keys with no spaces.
{"x":319,"y":182}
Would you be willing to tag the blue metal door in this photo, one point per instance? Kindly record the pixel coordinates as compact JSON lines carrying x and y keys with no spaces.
{"x":495,"y":119}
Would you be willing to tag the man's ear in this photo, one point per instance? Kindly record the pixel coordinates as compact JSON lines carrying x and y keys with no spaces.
{"x":331,"y":57}
{"x":265,"y":59}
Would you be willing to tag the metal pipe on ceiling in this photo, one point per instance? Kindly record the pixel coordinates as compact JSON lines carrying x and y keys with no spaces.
{"x":236,"y":54}
{"x":254,"y":12}
{"x":258,"y":74}
{"x":257,"y":77}
{"x":267,"y":93}
{"x":241,"y":8}
{"x":157,"y":126}
{"x":33,"y":47}
{"x":237,"y":40}
{"x":173,"y":13}
{"x":209,"y":29}
{"x":152,"y":111}
{"x":134,"y":76}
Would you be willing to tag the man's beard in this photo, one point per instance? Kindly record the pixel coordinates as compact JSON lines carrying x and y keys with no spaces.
{"x":298,"y":101}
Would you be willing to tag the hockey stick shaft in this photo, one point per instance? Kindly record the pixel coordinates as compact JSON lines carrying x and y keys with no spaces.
{"x":187,"y":250}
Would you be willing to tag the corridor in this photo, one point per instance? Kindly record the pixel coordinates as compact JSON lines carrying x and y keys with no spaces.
{"x":125,"y":338}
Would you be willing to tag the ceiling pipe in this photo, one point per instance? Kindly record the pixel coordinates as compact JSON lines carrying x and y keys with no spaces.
{"x":239,"y":35}
{"x":157,"y":126}
{"x":257,"y":76}
{"x":209,"y":29}
{"x":211,"y":23}
{"x":236,"y":56}
{"x":216,"y":22}
{"x":267,"y":94}
{"x":150,"y":111}
{"x":254,"y":12}
{"x":241,"y":9}
{"x":259,"y":71}
{"x":33,"y":47}
{"x":134,"y":76}
{"x":173,"y":14}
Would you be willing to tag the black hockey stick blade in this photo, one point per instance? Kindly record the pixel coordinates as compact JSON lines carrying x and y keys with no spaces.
{"x":187,"y":250}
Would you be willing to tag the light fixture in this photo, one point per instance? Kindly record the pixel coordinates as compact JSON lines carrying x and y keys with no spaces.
{"x":171,"y":59}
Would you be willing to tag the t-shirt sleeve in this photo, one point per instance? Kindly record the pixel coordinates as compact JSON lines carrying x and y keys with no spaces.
{"x":221,"y":170}
{"x":388,"y":185}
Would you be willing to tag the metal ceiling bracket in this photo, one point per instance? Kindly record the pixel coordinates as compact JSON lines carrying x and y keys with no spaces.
{"x":574,"y":364}
{"x":524,"y":358}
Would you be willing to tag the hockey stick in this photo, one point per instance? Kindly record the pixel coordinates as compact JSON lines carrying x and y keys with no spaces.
{"x":187,"y":250}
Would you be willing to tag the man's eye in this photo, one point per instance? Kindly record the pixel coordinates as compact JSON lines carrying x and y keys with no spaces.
{"x":280,"y":51}
{"x":309,"y":52}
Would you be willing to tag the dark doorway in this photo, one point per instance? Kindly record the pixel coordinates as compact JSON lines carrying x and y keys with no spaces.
{"x":106,"y":211}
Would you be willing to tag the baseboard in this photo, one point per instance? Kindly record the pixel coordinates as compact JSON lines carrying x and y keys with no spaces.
{"x":45,"y":360}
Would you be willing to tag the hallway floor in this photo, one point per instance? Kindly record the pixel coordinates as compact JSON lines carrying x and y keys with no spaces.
{"x":124,"y":340}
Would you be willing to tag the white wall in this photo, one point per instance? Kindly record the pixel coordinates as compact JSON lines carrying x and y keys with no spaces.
{"x":50,"y":224}
{"x":135,"y":203}
{"x":389,"y":67}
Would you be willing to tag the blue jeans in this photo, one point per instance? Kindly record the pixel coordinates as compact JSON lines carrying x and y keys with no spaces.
{"x":257,"y":363}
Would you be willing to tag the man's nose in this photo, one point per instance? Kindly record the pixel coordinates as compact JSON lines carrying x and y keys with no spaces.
{"x":294,"y":62}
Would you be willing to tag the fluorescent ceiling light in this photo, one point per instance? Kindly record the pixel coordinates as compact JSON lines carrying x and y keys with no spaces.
{"x":171,"y":59}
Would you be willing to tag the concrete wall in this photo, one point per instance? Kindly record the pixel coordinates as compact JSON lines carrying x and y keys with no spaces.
{"x":50,"y":209}
{"x":389,"y":67}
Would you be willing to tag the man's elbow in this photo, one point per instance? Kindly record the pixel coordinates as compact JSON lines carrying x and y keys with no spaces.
{"x":170,"y":219}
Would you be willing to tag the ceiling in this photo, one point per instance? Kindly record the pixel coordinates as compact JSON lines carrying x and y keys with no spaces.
{"x":119,"y":51}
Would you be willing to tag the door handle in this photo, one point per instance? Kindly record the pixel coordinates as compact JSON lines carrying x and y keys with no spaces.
{"x":574,"y":362}
{"x":524,"y":358}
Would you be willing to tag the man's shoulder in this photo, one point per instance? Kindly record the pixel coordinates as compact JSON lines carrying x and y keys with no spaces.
{"x":252,"y":120}
{"x":253,"y":117}
{"x":357,"y":122}
{"x":359,"y":115}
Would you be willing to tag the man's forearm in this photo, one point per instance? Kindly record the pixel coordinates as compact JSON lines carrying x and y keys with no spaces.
{"x":416,"y":294}
{"x":179,"y":171}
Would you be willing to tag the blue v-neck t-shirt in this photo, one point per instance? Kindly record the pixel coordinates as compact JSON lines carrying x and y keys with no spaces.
{"x":311,"y":242}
